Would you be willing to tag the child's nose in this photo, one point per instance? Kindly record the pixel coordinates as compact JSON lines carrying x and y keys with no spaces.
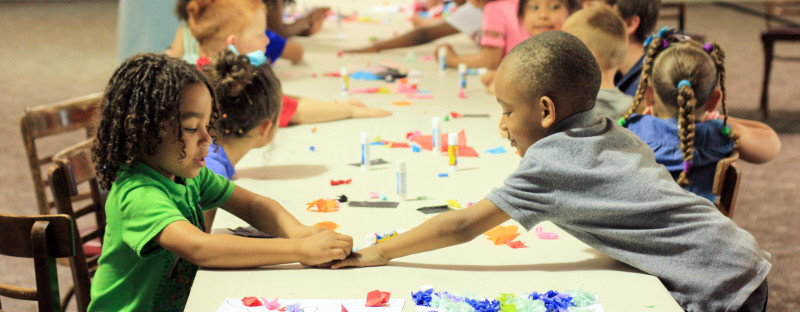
{"x":543,"y":13}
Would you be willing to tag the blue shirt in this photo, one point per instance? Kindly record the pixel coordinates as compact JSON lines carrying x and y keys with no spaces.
{"x":710,"y":146}
{"x":218,"y":161}
{"x":275,"y":46}
{"x":629,"y":82}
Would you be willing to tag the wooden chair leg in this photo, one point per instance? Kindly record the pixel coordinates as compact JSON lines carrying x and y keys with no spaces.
{"x":769,"y":45}
{"x":67,"y":297}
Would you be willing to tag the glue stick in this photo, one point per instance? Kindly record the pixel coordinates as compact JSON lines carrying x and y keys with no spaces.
{"x":462,"y":73}
{"x":437,"y":135}
{"x":452,"y":150}
{"x":402,"y":180}
{"x":345,"y":81}
{"x":442,"y":60}
{"x":365,"y":162}
{"x":375,"y":238}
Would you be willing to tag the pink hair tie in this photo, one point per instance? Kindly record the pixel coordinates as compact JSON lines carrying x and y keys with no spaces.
{"x":687,"y":165}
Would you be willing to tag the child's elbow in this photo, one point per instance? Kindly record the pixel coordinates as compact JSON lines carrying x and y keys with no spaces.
{"x":457,"y":229}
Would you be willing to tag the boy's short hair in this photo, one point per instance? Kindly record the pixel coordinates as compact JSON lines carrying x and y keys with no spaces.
{"x":212,"y":20}
{"x":603,"y":31}
{"x":646,"y":10}
{"x":558,"y":65}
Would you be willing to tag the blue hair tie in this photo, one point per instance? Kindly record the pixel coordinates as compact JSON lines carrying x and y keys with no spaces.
{"x":647,"y":42}
{"x":684,"y":82}
{"x":663,"y":31}
{"x":256,"y":58}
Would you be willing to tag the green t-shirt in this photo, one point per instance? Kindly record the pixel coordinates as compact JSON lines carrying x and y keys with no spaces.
{"x":133,"y":272}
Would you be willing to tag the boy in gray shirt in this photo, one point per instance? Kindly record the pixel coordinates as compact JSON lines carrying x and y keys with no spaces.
{"x":598,"y":182}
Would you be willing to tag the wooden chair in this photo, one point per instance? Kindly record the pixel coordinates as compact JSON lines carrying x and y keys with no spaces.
{"x":673,"y":11}
{"x":43,"y":238}
{"x":726,"y":183}
{"x":48,"y":120}
{"x":73,"y":169}
{"x":788,"y":32}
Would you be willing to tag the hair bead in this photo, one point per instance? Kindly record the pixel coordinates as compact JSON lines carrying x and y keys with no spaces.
{"x":708,"y":47}
{"x":725,"y":130}
{"x":687,"y":165}
{"x":622,"y":121}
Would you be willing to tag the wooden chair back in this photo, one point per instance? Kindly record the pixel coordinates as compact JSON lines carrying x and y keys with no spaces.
{"x":778,"y":11}
{"x":48,"y":120}
{"x":673,"y":11}
{"x":73,"y":169}
{"x":43,"y":238}
{"x":726,"y":183}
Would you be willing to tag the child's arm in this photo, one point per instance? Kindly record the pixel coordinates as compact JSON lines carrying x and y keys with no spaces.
{"x":412,"y":38}
{"x":293,"y":52}
{"x":446,"y":229}
{"x":314,"y":111}
{"x":758,"y":142}
{"x":306,"y":245}
{"x":301,"y":26}
{"x":176,"y":49}
{"x":488,"y":56}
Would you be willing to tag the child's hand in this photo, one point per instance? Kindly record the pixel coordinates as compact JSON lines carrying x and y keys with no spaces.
{"x":323,"y":247}
{"x":488,"y":77}
{"x":305,"y":231}
{"x":366,"y":257}
{"x":369,"y":112}
{"x":450,"y":51}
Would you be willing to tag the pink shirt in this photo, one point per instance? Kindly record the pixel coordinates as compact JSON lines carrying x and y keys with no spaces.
{"x":501,"y":26}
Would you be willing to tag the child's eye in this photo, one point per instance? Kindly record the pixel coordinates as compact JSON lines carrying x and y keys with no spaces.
{"x":190,"y":130}
{"x":507,"y":113}
{"x":556,"y":7}
{"x":534,"y":7}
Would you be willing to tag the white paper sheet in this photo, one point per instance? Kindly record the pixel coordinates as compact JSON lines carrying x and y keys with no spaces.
{"x":316,"y":305}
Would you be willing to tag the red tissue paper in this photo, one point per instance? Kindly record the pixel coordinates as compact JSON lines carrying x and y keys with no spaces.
{"x":337,"y":182}
{"x":251,"y":301}
{"x":377,"y":298}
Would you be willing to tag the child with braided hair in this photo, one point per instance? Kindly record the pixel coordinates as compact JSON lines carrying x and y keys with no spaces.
{"x":682,"y":84}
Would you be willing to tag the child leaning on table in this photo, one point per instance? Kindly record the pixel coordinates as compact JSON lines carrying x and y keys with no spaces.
{"x":239,"y":25}
{"x":157,"y":119}
{"x":599,"y":183}
{"x":683,"y":83}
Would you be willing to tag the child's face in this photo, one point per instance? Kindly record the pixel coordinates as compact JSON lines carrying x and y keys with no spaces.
{"x":194,"y":122}
{"x":253,"y":37}
{"x":544,"y":15}
{"x":522,"y":119}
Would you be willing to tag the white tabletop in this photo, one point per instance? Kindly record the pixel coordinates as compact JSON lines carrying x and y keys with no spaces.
{"x":291,"y":173}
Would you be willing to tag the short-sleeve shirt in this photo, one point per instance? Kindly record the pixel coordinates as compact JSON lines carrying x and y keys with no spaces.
{"x":601,"y":184}
{"x":501,"y":26}
{"x":275,"y":47}
{"x":467,"y":19}
{"x":218,"y":162}
{"x":133,"y":270}
{"x":709,"y":143}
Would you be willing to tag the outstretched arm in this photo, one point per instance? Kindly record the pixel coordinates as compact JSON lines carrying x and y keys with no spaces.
{"x":412,"y":38}
{"x":447,"y":229}
{"x":488,"y":57}
{"x":758,"y":142}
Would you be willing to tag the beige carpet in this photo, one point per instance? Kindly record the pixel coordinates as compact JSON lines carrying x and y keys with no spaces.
{"x":57,"y":50}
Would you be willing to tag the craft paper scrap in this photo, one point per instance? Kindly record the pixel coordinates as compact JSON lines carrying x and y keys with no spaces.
{"x":497,"y":150}
{"x":433,"y":209}
{"x":323,"y":205}
{"x":515,"y":244}
{"x":315,"y":305}
{"x":271,"y":305}
{"x":377,"y":298}
{"x":500,"y":234}
{"x":251,"y":302}
{"x":551,"y":300}
{"x":426,"y":142}
{"x":376,"y":204}
{"x":330,"y":225}
{"x":545,"y":235}
{"x":250,"y":231}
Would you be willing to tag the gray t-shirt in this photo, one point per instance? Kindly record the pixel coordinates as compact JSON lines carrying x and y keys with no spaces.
{"x":601,"y":184}
{"x":612,"y":103}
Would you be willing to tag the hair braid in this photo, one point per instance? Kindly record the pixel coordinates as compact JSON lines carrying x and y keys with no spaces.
{"x":718,"y":55}
{"x":647,"y":70}
{"x":686,"y":105}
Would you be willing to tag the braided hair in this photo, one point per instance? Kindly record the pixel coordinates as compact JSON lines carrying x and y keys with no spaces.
{"x":142,"y":98}
{"x":247,"y":95}
{"x":683,"y":73}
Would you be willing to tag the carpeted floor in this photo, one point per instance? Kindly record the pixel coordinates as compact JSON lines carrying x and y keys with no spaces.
{"x":57,"y":50}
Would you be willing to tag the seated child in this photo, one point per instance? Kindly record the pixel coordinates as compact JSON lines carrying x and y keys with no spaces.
{"x":603,"y":32}
{"x":307,"y":25}
{"x":156,"y":121}
{"x":640,"y":18}
{"x":534,"y":16}
{"x":683,"y":82}
{"x":185,"y":46}
{"x":249,"y":99}
{"x":599,"y":183}
{"x":241,"y":28}
{"x":465,"y":19}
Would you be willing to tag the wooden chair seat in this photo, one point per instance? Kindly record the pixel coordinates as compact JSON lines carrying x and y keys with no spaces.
{"x":726,"y":183}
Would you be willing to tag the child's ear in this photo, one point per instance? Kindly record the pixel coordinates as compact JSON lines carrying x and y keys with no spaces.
{"x":631,"y":24}
{"x":230,"y":39}
{"x":713,"y":101}
{"x":548,"y":111}
{"x":649,"y":99}
{"x":265,"y":128}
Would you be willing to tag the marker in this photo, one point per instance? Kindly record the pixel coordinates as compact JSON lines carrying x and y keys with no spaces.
{"x":462,"y":73}
{"x":402,"y":180}
{"x":345,"y":81}
{"x":437,"y":135}
{"x":375,"y":238}
{"x":365,"y":162}
{"x":442,"y":60}
{"x":452,"y":150}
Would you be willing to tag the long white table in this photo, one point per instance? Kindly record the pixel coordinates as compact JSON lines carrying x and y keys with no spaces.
{"x":290,"y":172}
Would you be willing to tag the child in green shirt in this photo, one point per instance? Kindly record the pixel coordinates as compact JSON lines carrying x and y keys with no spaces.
{"x":157,"y":120}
